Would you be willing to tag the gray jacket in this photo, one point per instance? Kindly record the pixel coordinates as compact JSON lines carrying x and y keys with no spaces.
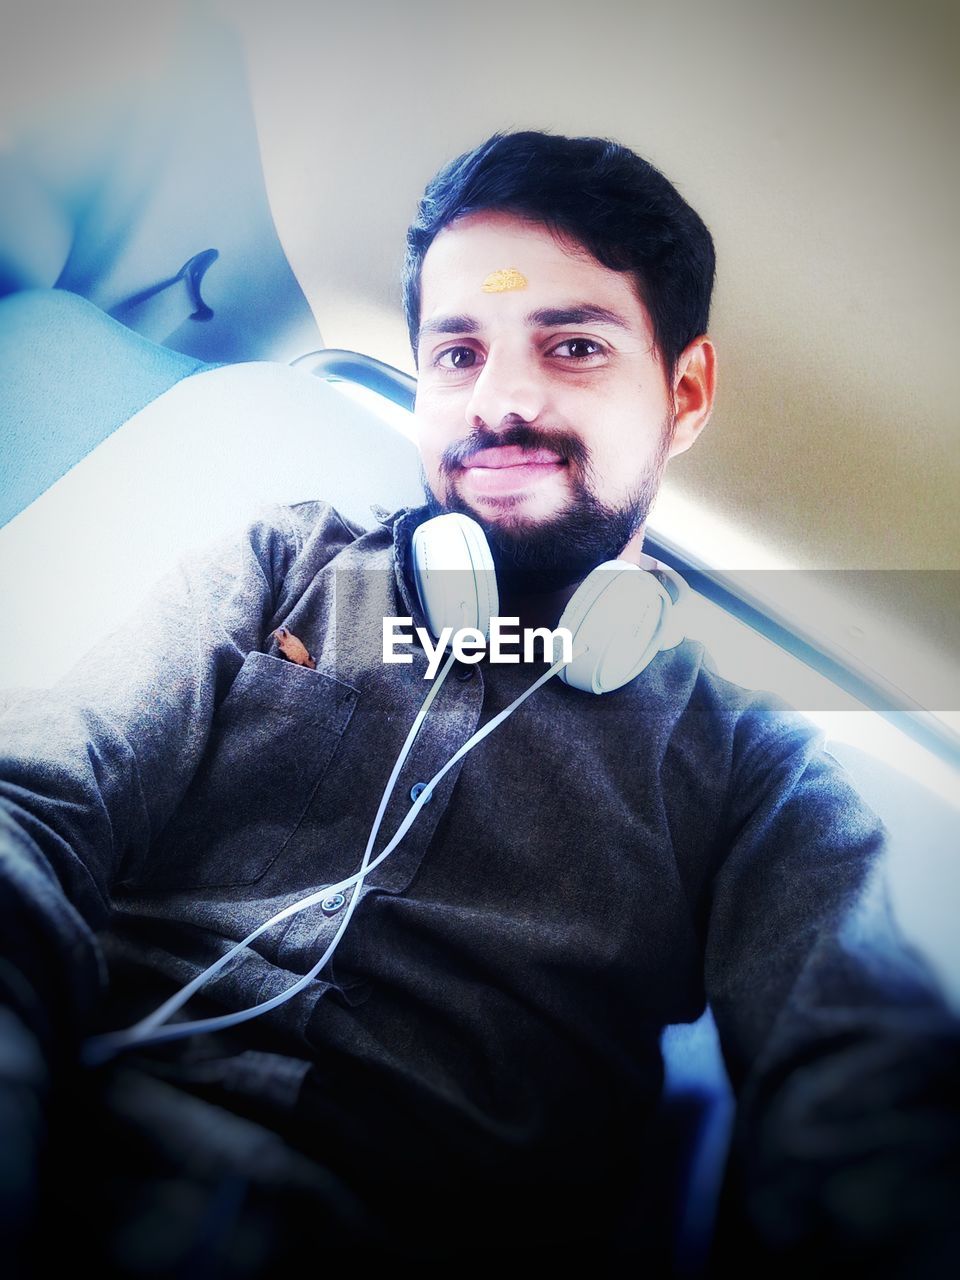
{"x":598,"y":868}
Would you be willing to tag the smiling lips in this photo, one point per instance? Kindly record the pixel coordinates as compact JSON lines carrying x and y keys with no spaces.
{"x":509,"y":467}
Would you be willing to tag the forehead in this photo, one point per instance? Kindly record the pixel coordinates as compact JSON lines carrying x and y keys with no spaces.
{"x":467,"y":252}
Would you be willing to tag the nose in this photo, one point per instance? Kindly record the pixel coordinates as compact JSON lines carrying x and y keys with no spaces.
{"x":509,"y":386}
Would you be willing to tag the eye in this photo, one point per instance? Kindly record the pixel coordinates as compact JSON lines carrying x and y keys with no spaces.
{"x":579,"y":349}
{"x":456,"y":359}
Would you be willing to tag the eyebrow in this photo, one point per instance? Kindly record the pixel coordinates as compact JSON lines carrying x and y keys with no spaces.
{"x":546,"y":317}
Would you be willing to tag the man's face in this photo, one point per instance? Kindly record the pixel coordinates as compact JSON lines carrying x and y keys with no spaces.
{"x":543,"y":409}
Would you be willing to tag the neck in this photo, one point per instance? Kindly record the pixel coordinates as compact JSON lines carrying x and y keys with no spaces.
{"x":536,"y":609}
{"x":545,"y":608}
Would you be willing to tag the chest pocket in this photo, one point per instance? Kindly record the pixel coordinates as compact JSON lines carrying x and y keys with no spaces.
{"x":272,"y":740}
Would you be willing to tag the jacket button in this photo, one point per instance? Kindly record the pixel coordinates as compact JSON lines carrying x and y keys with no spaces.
{"x":330,"y":906}
{"x":416,"y":790}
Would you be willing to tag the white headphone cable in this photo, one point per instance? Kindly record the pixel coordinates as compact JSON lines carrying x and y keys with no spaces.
{"x":100,"y":1048}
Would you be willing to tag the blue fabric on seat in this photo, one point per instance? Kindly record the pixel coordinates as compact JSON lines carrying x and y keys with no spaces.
{"x":696,"y":1115}
{"x":71,"y":376}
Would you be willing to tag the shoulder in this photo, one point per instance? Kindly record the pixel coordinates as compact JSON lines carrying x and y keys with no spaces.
{"x":318,"y":521}
{"x":286,"y":531}
{"x":738,"y":729}
{"x":260,"y":549}
{"x":686,"y":680}
{"x":778,"y":767}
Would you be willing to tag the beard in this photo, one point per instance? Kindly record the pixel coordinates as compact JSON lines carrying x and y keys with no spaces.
{"x":548,"y":555}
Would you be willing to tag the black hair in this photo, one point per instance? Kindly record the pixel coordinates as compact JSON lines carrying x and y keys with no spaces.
{"x":595,"y":192}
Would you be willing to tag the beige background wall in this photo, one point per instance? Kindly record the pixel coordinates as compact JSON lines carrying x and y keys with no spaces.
{"x":818,"y":141}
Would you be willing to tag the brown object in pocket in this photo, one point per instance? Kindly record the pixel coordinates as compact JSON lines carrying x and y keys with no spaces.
{"x":293,"y":648}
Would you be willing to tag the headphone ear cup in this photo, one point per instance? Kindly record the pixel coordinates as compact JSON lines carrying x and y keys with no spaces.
{"x":616,"y":619}
{"x":454,"y":574}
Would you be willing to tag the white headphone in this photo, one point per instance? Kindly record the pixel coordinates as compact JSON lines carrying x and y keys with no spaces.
{"x":620,"y":617}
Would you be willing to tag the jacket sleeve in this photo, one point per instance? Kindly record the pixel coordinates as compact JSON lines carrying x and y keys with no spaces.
{"x":842,"y":1049}
{"x":91,"y":769}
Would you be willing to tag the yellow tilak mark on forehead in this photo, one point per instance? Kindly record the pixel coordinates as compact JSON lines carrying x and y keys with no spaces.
{"x":503,"y":280}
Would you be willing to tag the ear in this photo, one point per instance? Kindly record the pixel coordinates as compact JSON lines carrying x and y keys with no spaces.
{"x":694,"y":385}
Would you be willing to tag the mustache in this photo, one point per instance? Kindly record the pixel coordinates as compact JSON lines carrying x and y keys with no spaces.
{"x":568,"y":446}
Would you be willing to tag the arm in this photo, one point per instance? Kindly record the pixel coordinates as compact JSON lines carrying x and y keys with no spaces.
{"x":93,"y":769}
{"x":90,"y":773}
{"x":842,"y":1051}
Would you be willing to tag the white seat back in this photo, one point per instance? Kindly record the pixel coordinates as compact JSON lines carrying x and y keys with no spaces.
{"x":198,"y":461}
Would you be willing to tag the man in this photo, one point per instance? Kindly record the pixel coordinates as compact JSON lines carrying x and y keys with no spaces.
{"x":475,"y":1073}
